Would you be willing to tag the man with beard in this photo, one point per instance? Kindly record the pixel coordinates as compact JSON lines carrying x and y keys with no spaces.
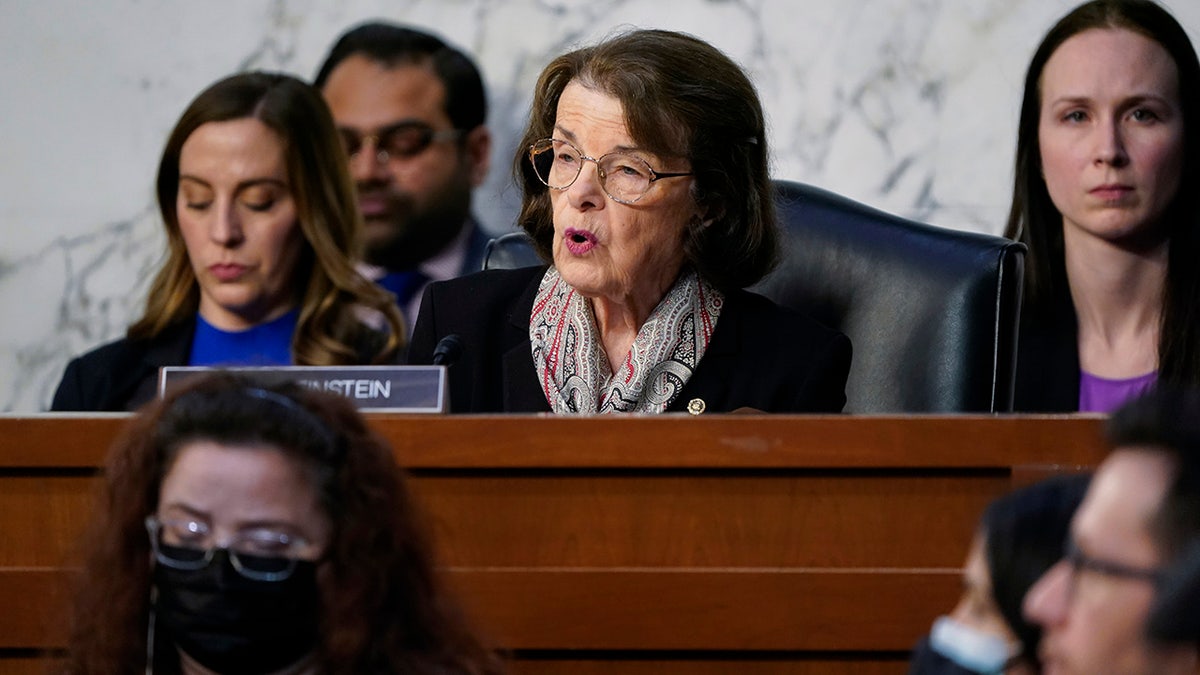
{"x":411,"y":111}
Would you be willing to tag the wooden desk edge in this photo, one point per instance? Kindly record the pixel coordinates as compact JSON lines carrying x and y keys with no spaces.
{"x":648,"y":442}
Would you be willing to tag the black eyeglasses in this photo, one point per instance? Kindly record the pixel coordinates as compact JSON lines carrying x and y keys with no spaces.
{"x":625,"y":178}
{"x":260,"y":554}
{"x":1080,"y":561}
{"x":397,"y":141}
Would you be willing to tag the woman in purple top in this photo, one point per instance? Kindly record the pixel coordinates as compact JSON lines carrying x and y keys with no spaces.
{"x":1105,"y":199}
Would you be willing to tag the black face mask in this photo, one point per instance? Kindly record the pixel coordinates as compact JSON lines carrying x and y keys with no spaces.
{"x":234,"y":625}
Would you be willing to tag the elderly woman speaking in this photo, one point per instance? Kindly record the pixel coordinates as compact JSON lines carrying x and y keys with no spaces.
{"x":644,"y":171}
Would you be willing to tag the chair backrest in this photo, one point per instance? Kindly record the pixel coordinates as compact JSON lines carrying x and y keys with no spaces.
{"x":509,"y":251}
{"x":931,"y":312}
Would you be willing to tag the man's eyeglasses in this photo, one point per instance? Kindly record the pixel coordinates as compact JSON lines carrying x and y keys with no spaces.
{"x":1080,"y":561}
{"x":398,"y":141}
{"x":260,"y":554}
{"x":625,"y":178}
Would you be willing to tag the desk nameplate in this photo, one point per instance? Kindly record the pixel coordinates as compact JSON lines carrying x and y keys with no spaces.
{"x":399,"y":389}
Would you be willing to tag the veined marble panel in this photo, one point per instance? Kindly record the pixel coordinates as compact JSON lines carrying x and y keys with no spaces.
{"x":908,"y":105}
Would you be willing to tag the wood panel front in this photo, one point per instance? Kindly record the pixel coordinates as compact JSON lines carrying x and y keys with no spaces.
{"x":671,"y":544}
{"x":750,"y":609}
{"x":782,"y":518}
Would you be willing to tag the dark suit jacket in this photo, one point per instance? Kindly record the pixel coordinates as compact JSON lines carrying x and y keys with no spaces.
{"x":1047,"y":378}
{"x":122,"y":375}
{"x":761,"y":356}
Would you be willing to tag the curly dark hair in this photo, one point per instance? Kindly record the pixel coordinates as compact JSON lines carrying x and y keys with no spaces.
{"x":682,"y":97}
{"x":382,"y":605}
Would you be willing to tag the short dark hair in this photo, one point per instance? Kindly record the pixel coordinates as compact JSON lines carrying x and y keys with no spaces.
{"x":1167,"y":419}
{"x":1174,"y":616}
{"x":1024,"y":533}
{"x":395,"y":45}
{"x":682,"y":97}
{"x":1034,"y":220}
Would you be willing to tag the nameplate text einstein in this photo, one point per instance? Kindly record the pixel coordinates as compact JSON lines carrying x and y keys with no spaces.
{"x":407,"y":389}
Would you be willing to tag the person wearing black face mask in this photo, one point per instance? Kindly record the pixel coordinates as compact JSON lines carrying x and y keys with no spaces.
{"x":1020,"y":536}
{"x":247,"y":530}
{"x":232,"y":612}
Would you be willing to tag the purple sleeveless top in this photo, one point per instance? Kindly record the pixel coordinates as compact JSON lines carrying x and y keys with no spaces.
{"x":1098,"y":394}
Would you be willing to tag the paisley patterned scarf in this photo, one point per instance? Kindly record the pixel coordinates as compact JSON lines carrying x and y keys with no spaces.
{"x":574,"y":370}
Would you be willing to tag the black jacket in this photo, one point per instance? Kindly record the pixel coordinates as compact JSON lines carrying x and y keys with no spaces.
{"x":1047,"y":378}
{"x":761,"y":356}
{"x":122,"y":375}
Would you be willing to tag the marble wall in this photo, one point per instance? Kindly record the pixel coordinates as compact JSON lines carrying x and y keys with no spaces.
{"x":908,"y":105}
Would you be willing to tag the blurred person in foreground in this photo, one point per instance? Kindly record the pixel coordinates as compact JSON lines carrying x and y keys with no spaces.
{"x":644,"y":172}
{"x":248,"y":529}
{"x":1140,"y":517}
{"x":1175,"y":615}
{"x":1020,"y":536}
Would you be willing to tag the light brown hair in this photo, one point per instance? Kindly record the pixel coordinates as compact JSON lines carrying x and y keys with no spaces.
{"x":333,"y":295}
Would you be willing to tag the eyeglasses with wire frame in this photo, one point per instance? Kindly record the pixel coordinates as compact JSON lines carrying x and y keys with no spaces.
{"x":397,"y":141}
{"x":260,"y":554}
{"x":624,"y":177}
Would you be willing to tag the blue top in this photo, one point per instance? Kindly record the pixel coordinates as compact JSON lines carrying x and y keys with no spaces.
{"x":268,"y":344}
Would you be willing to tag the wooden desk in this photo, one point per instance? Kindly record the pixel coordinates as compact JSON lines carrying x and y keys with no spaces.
{"x":747,"y":544}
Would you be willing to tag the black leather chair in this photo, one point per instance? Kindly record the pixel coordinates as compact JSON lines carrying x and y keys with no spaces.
{"x":510,"y":251}
{"x":931,"y":312}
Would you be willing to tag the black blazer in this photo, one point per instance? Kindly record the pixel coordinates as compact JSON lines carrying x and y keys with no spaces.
{"x":122,"y":375}
{"x":1047,"y":374}
{"x":762,"y":356}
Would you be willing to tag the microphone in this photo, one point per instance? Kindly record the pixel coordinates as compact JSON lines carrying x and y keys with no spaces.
{"x":448,"y":350}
